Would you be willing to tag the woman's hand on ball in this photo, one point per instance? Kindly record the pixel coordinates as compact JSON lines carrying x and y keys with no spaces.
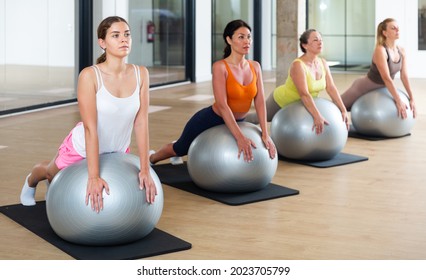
{"x":319,"y":123}
{"x":346,"y":120}
{"x":270,"y":146}
{"x":402,"y":109}
{"x":413,"y":108}
{"x":245,"y":146}
{"x":95,"y":187}
{"x":148,"y":184}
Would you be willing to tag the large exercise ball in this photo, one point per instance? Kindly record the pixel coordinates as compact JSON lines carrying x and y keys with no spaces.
{"x":213,"y":162}
{"x":375,"y":114}
{"x":126,"y":216}
{"x":291,"y":131}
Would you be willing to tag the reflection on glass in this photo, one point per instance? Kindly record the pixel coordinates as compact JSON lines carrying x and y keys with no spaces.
{"x":274,"y":34}
{"x":348,"y":31}
{"x":422,"y":24}
{"x":36,"y":53}
{"x":224,"y":12}
{"x":158,"y":32}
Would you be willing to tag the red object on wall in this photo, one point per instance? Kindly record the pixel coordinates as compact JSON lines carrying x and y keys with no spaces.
{"x":150,"y":30}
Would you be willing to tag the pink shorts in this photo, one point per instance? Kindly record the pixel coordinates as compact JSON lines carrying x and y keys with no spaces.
{"x":67,"y":155}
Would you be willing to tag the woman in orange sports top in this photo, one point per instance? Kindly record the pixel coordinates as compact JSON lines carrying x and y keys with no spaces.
{"x":237,"y":82}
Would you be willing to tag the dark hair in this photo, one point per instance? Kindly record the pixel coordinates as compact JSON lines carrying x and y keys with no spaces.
{"x":103,"y":29}
{"x":229,"y":31}
{"x":380,"y":38}
{"x":304,"y":39}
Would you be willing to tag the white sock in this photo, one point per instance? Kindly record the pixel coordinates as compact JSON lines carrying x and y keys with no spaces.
{"x":47,"y":187}
{"x":176,"y":160}
{"x":28,"y":194}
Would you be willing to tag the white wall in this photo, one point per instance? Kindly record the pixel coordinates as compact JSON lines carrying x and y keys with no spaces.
{"x":203,"y":42}
{"x":405,"y":12}
{"x":2,"y":32}
{"x":103,"y":9}
{"x":266,"y":35}
{"x":61,"y":33}
{"x":37,"y":32}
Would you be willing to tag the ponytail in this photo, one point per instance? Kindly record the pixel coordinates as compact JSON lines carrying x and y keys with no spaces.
{"x":227,"y":51}
{"x":380,"y":38}
{"x":101,"y":58}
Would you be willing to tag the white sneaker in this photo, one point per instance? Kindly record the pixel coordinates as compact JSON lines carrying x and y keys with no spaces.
{"x":27,"y":194}
{"x":47,"y":187}
{"x":176,"y":160}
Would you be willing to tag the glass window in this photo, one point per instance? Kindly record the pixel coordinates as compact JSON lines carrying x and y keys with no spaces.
{"x":158,"y":32}
{"x":223,"y":12}
{"x":422,"y":24}
{"x":348,"y":31}
{"x":36,"y":53}
{"x":274,"y":34}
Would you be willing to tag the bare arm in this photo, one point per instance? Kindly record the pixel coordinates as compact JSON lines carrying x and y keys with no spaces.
{"x":406,"y":81}
{"x":86,"y":95}
{"x":334,"y":93}
{"x":380,"y":59}
{"x":142,"y":138}
{"x":297,"y":73}
{"x":259,"y":104}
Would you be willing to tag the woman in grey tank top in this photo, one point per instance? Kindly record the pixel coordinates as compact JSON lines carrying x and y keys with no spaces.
{"x":388,"y":59}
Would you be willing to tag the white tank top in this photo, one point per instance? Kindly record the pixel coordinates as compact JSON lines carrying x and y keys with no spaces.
{"x":116,"y":117}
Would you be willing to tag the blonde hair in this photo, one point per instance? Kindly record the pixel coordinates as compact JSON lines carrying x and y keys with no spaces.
{"x":380,"y":38}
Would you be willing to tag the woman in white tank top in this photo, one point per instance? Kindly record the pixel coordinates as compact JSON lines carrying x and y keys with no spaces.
{"x":113,"y":99}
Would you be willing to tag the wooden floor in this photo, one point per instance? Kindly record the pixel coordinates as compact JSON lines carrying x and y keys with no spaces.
{"x":374,"y":209}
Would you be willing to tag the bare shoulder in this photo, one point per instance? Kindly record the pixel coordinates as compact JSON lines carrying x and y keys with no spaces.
{"x":219,"y":69}
{"x":218,"y":65}
{"x":296,"y":64}
{"x":87,"y":71}
{"x":144,"y":73}
{"x":380,"y":50}
{"x":256,"y":65}
{"x":87,"y":74}
{"x":143,"y":76}
{"x":142,"y":68}
{"x":379,"y":54}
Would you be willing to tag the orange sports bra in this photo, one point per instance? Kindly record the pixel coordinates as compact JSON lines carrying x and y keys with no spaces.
{"x":240,"y":97}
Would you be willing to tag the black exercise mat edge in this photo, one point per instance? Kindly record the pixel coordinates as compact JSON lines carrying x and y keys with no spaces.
{"x":354,"y":134}
{"x":181,"y":180}
{"x":34,"y":219}
{"x":336,"y":161}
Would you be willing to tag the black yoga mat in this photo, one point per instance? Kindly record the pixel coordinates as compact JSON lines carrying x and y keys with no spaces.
{"x":34,"y":218}
{"x":339,"y":159}
{"x":354,"y":134}
{"x":177,"y":176}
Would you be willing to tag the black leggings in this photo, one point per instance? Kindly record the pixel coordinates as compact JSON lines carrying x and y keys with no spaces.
{"x":202,"y":120}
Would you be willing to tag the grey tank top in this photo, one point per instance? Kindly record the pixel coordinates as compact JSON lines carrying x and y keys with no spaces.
{"x":394,"y":67}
